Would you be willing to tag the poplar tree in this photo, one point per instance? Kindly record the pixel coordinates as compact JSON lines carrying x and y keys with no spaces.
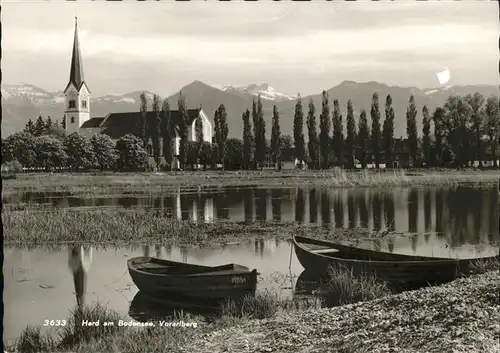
{"x":221,"y":132}
{"x":411,"y":130}
{"x":247,"y":141}
{"x":363,"y":139}
{"x":156,"y":129}
{"x":388,"y":132}
{"x":338,"y":133}
{"x":276,"y":138}
{"x":167,"y":133}
{"x":312,"y":145}
{"x":143,"y":122}
{"x":375,"y":140}
{"x":183,"y":124}
{"x":476,"y":102}
{"x":351,"y":135}
{"x":426,"y":135}
{"x":324,"y":132}
{"x":199,"y":136}
{"x":438,"y":120}
{"x":298,"y":131}
{"x":260,"y":136}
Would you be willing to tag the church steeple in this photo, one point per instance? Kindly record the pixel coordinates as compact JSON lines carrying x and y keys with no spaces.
{"x":76,"y":73}
{"x":77,"y":95}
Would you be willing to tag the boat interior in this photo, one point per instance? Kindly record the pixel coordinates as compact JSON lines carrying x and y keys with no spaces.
{"x":330,"y":251}
{"x":168,"y":268}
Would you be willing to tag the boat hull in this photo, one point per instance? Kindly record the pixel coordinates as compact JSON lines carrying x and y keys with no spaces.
{"x":400,"y":271}
{"x":192,"y":282}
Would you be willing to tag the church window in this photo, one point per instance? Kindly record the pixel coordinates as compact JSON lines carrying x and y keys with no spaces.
{"x":72,"y":119}
{"x":72,"y":104}
{"x":84,"y":104}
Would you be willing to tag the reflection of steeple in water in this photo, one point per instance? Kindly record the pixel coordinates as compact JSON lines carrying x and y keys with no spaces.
{"x":79,"y":262}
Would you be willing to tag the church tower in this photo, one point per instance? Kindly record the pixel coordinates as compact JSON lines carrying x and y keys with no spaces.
{"x":77,"y":110}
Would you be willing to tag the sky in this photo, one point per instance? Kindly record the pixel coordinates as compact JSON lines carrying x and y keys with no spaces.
{"x":294,"y":47}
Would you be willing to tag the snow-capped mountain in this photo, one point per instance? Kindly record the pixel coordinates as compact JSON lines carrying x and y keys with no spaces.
{"x":26,"y":93}
{"x":265,"y":91}
{"x":22,"y":102}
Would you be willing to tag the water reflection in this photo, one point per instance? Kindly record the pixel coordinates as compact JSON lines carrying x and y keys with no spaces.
{"x":79,"y":262}
{"x":462,"y":214}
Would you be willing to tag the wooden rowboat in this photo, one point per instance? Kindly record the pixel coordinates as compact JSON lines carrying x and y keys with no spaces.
{"x":160,"y":278}
{"x":403,"y":271}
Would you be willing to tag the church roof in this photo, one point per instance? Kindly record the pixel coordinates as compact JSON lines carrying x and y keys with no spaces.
{"x":117,"y":125}
{"x":92,"y":123}
{"x":76,"y":72}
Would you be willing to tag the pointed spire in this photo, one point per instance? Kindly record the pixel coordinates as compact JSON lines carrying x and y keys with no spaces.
{"x":76,"y":73}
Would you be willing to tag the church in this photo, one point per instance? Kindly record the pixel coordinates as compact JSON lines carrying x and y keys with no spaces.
{"x":78,"y":118}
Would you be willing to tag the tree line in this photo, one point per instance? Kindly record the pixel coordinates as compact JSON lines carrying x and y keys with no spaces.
{"x":463,"y":129}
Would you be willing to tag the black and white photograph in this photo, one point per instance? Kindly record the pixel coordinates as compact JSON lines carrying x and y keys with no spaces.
{"x":247,"y":177}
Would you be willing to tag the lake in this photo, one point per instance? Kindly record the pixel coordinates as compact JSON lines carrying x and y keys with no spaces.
{"x":453,"y":222}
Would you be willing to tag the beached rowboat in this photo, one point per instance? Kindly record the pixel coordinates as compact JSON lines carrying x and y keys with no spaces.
{"x":160,"y":278}
{"x":403,"y":271}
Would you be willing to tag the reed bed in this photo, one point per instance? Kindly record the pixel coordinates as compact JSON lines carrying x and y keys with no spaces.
{"x":96,"y":183}
{"x":31,"y":227}
{"x":341,"y":286}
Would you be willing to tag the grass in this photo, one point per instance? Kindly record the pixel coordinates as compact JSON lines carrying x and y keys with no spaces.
{"x":77,"y":338}
{"x":485,"y":265}
{"x":97,"y":183}
{"x":341,"y":286}
{"x":31,"y":228}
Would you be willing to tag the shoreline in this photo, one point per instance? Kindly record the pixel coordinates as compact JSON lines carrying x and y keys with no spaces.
{"x":460,"y":316}
{"x":165,"y":181}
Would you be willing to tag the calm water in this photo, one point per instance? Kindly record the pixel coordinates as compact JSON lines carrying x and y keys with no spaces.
{"x":39,"y":284}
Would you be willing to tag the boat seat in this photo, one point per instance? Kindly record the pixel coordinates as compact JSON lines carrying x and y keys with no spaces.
{"x":323,"y":251}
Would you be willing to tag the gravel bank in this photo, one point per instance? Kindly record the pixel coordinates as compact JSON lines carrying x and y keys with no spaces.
{"x":462,"y":316}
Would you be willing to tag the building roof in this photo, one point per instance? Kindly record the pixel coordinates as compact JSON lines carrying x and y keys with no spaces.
{"x":76,"y":72}
{"x":117,"y":125}
{"x":92,"y":123}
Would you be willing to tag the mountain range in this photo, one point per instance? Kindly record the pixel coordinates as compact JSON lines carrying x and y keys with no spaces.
{"x":24,"y":101}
